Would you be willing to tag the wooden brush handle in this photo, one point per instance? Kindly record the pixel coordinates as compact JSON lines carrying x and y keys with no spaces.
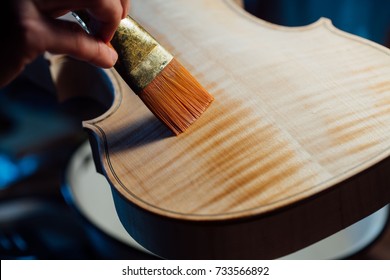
{"x":294,"y":148}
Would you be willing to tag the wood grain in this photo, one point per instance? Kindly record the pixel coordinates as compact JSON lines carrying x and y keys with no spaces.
{"x":295,"y":146}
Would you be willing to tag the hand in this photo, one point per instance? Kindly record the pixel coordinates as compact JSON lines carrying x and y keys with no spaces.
{"x":28,"y":28}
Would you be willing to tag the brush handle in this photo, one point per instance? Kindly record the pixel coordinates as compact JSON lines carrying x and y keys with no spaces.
{"x":140,"y":57}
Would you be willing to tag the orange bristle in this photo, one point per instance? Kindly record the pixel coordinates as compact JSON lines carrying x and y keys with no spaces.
{"x":176,"y":97}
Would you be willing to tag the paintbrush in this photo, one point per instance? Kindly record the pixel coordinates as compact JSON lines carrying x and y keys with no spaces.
{"x":170,"y":92}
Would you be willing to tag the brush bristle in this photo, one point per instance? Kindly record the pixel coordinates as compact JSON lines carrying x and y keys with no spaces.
{"x":175,"y":97}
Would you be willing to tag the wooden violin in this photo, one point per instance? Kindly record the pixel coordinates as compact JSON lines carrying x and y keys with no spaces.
{"x":294,"y":148}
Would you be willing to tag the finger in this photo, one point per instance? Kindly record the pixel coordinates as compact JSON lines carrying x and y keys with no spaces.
{"x":58,"y":13}
{"x":107,"y":13}
{"x":107,"y":18}
{"x":68,"y":38}
{"x":126,"y":7}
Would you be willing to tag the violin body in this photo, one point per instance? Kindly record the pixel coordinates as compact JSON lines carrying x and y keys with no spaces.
{"x":294,"y":148}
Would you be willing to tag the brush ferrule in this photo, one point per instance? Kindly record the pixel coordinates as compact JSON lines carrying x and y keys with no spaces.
{"x":140,"y":57}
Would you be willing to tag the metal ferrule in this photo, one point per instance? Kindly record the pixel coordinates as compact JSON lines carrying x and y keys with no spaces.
{"x":140,"y":57}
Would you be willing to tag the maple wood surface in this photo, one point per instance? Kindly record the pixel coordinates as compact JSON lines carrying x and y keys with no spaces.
{"x":296,"y":140}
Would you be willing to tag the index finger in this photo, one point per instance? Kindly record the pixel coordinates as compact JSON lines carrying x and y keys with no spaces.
{"x":106,"y":14}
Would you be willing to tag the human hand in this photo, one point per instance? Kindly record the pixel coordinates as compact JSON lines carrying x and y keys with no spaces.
{"x":29,"y":28}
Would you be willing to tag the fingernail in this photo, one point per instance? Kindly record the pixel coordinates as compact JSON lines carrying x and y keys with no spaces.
{"x":114,"y":55}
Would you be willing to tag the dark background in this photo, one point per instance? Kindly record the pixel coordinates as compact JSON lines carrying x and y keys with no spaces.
{"x":38,"y":135}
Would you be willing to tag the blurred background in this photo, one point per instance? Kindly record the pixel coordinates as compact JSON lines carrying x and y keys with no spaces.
{"x":39,"y":134}
{"x":366,"y":18}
